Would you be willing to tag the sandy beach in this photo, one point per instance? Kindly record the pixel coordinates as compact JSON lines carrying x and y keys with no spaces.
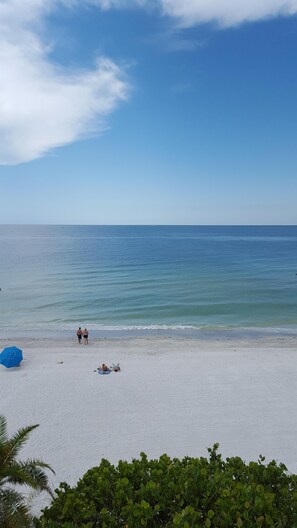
{"x":177,"y":396}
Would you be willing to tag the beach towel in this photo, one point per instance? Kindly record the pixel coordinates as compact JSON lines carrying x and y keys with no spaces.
{"x":102,"y":372}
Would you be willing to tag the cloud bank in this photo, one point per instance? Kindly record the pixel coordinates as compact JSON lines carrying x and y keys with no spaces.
{"x":43,"y":106}
{"x":224,"y":12}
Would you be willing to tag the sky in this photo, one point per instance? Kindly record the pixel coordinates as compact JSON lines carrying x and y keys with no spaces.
{"x":148,"y":111}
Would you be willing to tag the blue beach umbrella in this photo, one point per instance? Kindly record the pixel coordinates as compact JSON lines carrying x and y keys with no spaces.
{"x":11,"y":357}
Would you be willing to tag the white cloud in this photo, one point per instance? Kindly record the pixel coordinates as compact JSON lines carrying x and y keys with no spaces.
{"x":224,"y":12}
{"x":42,"y":106}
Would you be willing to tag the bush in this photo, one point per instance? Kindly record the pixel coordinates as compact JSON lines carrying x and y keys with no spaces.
{"x":192,"y":492}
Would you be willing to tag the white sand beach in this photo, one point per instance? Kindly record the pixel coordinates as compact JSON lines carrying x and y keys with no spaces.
{"x":177,"y":396}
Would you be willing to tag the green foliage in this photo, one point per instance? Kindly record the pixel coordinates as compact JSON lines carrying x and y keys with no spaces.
{"x":192,"y":492}
{"x":14,"y":512}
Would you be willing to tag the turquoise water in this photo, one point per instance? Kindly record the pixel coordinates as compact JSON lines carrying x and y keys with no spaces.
{"x":151,"y":279}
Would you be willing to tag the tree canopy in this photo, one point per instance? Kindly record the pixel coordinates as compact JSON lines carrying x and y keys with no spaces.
{"x":192,"y":492}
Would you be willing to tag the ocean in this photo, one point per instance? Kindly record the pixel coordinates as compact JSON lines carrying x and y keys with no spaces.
{"x":148,"y":280}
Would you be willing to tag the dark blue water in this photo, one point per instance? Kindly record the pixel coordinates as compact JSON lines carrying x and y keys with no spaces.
{"x":153,"y":278}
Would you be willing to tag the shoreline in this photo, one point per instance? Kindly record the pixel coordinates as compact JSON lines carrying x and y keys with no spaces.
{"x":289,"y":341}
{"x":178,"y":331}
{"x":174,"y":396}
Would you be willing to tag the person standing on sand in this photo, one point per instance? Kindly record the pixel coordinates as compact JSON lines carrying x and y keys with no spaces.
{"x":86,"y":336}
{"x":79,"y":335}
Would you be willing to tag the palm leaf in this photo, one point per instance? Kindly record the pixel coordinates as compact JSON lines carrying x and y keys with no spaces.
{"x":14,"y":512}
{"x":3,"y":430}
{"x":17,"y":441}
{"x":34,"y":469}
{"x":29,"y":473}
{"x":16,"y":473}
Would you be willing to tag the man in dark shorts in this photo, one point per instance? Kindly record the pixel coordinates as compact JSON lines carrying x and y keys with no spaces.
{"x":79,"y":335}
{"x":86,"y":336}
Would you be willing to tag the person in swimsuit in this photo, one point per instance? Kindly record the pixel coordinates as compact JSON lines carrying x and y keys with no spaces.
{"x":104,"y":367}
{"x":86,"y":336}
{"x":79,"y":335}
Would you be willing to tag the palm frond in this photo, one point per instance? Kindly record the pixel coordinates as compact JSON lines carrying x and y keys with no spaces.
{"x":34,"y":468}
{"x":29,"y":473}
{"x":4,"y":454}
{"x":14,"y":512}
{"x":3,"y":430}
{"x":39,"y":463}
{"x":17,"y":441}
{"x":15,"y":473}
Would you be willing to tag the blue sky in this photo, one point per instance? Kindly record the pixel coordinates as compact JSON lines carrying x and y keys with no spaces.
{"x":167,"y":112}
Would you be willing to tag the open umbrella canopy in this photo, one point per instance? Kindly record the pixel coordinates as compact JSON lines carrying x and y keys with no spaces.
{"x":11,"y":357}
